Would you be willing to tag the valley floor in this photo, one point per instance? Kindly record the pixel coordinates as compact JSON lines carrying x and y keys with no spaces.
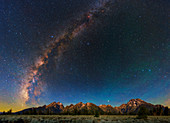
{"x":80,"y":119}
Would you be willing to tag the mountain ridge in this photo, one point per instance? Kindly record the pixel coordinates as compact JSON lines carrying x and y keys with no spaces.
{"x":131,"y":107}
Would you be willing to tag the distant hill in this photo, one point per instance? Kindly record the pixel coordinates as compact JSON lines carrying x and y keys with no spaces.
{"x":132,"y":107}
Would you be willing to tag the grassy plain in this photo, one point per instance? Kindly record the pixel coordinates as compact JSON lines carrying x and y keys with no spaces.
{"x":81,"y":119}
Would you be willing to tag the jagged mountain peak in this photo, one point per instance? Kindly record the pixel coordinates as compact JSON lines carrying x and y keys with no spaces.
{"x":51,"y":104}
{"x":59,"y":103}
{"x":132,"y":106}
{"x":90,"y":104}
{"x":80,"y":103}
{"x":103,"y":105}
{"x":54,"y":104}
{"x":109,"y":106}
{"x":71,"y":105}
{"x":136,"y":102}
{"x":108,"y":109}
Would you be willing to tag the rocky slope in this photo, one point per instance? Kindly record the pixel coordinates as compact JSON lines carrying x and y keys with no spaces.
{"x":81,"y":108}
{"x":109,"y":109}
{"x":52,"y":108}
{"x":55,"y":107}
{"x":133,"y":106}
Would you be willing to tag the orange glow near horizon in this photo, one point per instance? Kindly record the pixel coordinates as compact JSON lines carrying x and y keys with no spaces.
{"x":16,"y":106}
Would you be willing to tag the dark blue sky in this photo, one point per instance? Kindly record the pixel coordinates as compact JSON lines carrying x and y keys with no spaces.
{"x":124,"y":54}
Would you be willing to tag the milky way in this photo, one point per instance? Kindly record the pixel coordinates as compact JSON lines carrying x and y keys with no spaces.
{"x":32,"y":86}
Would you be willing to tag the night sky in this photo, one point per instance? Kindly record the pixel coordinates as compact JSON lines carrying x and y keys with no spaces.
{"x":83,"y":51}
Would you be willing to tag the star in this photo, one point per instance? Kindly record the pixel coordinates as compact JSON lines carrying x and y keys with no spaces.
{"x":88,"y":43}
{"x":149,"y":70}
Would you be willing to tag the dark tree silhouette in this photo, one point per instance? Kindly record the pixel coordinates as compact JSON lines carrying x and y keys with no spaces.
{"x":96,"y":114}
{"x":10,"y":111}
{"x":4,"y":113}
{"x":34,"y":112}
{"x":48,"y":112}
{"x":154,"y":111}
{"x":142,"y":114}
{"x":166,"y":110}
{"x":39,"y":112}
{"x":75,"y":112}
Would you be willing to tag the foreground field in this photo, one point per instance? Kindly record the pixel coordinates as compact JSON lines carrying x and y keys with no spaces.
{"x":80,"y":119}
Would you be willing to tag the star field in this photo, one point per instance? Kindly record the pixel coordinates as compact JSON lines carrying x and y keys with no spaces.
{"x":83,"y":51}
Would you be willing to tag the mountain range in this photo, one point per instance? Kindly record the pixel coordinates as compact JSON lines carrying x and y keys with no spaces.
{"x":132,"y":107}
